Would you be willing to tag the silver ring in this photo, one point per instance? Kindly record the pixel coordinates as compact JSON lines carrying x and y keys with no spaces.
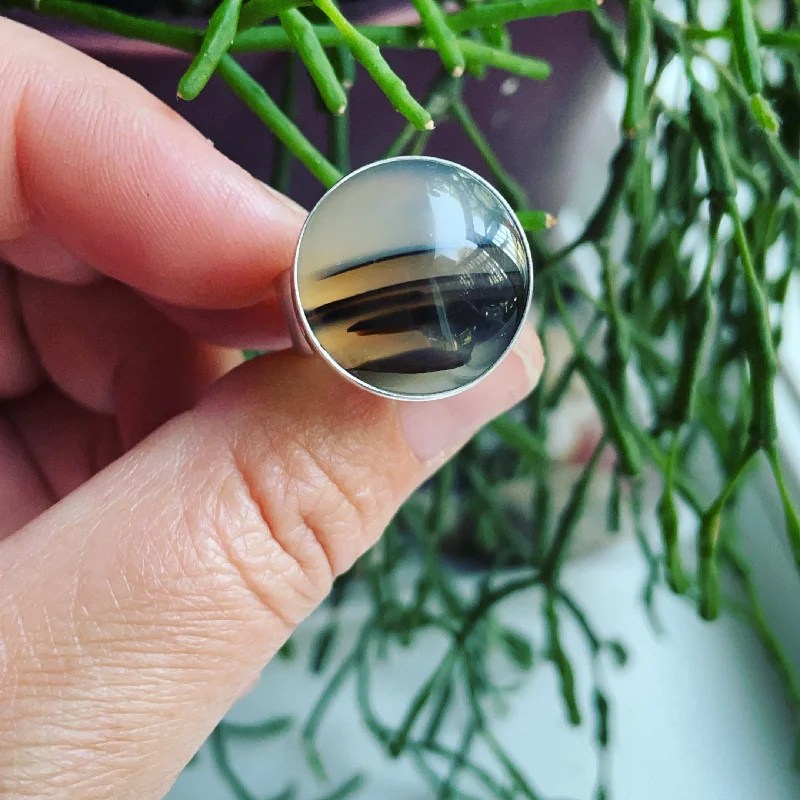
{"x":412,"y":278}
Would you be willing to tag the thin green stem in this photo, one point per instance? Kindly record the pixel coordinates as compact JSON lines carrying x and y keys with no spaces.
{"x":458,"y":761}
{"x":785,"y":163}
{"x":483,"y":15}
{"x":570,"y":516}
{"x":368,"y":54}
{"x":708,"y":539}
{"x":773,"y":38}
{"x":511,"y":189}
{"x":734,"y":559}
{"x":486,"y":56}
{"x":268,"y":729}
{"x":256,"y":12}
{"x":791,"y":519}
{"x":442,"y":674}
{"x":762,"y":356}
{"x":217,"y":40}
{"x":252,"y":94}
{"x":283,"y":159}
{"x":304,"y":40}
{"x":107,"y":19}
{"x":442,"y":36}
{"x":315,"y":718}
{"x":402,"y":38}
{"x":443,"y":91}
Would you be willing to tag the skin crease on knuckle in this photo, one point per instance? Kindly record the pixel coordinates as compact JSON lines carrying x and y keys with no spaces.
{"x":297,"y":507}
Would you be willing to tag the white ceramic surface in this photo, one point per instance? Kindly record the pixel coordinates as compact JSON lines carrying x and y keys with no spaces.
{"x":698,"y":713}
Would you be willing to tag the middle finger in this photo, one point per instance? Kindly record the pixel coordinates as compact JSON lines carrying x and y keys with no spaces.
{"x":107,"y":349}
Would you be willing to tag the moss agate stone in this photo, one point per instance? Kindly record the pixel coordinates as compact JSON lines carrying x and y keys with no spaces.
{"x":413,"y":276}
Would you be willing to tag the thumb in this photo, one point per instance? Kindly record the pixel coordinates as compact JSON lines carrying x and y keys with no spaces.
{"x":137,"y":609}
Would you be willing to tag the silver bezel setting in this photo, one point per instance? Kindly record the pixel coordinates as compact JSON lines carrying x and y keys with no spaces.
{"x":303,"y":337}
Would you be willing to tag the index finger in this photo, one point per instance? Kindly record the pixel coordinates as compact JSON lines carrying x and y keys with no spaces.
{"x":89,"y":158}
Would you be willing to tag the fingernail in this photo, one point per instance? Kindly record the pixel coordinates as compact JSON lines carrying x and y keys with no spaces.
{"x":435,"y":430}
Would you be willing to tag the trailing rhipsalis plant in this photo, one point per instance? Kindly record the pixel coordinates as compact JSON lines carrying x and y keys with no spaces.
{"x":702,"y":335}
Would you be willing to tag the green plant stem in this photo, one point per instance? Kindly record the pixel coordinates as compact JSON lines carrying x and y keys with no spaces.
{"x":536,"y":221}
{"x":106,"y":19}
{"x":774,"y":650}
{"x":668,"y":518}
{"x":255,"y":12}
{"x":244,"y":86}
{"x":484,"y":15}
{"x":602,"y":221}
{"x":653,"y":564}
{"x":442,"y":674}
{"x":708,"y":539}
{"x":457,"y":762}
{"x":442,"y":36}
{"x":791,"y":519}
{"x":521,"y":785}
{"x":283,"y":159}
{"x":340,"y":141}
{"x":639,"y":41}
{"x":255,"y":97}
{"x":608,"y":37}
{"x":745,"y":42}
{"x":762,"y":356}
{"x":617,"y":428}
{"x":443,"y":91}
{"x":785,"y":163}
{"x":268,"y":729}
{"x":698,"y":313}
{"x":272,"y":38}
{"x":480,"y":774}
{"x":217,"y":40}
{"x":368,"y":54}
{"x":570,"y":516}
{"x":774,"y":38}
{"x":403,"y":38}
{"x":512,"y":191}
{"x":578,"y":614}
{"x":301,"y":33}
{"x":317,"y":714}
{"x":484,"y":55}
{"x":275,"y":38}
{"x":519,"y":436}
{"x":618,"y":338}
{"x":556,"y":654}
{"x":241,"y":792}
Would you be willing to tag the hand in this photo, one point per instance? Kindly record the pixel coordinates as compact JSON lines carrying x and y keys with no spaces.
{"x":168,"y":515}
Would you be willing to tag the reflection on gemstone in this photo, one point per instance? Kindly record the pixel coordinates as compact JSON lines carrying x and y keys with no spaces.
{"x":413,"y":276}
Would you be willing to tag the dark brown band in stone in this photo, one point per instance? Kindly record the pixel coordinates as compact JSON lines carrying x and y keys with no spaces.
{"x":467,"y":303}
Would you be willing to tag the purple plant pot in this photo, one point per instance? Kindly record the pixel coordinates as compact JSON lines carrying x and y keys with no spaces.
{"x":530,"y":124}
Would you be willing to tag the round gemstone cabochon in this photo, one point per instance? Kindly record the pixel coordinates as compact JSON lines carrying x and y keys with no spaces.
{"x":413,"y":276}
